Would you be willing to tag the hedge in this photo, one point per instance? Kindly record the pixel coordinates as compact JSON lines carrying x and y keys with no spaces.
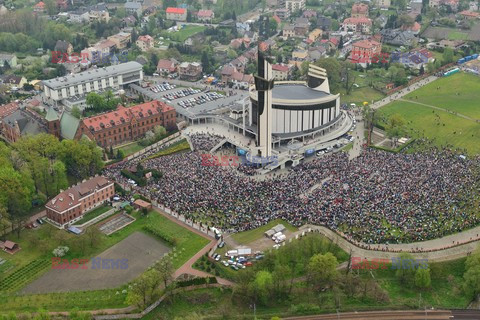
{"x":141,"y":181}
{"x":162,"y":235}
{"x":196,"y":282}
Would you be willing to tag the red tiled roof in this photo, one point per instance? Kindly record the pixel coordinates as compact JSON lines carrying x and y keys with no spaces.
{"x":145,"y":38}
{"x":469,"y":13}
{"x":166,"y":64}
{"x":70,"y":197}
{"x":366,"y":44}
{"x":175,"y":10}
{"x":8,"y":109}
{"x":357,"y":20}
{"x":205,"y":13}
{"x":40,"y":5}
{"x":277,"y":19}
{"x":280,"y":67}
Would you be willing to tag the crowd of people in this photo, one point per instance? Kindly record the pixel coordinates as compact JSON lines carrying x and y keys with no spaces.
{"x":378,"y":197}
{"x":205,"y":142}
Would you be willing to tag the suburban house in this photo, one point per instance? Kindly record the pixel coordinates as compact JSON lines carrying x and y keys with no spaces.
{"x":359,"y":10}
{"x":167,"y":66}
{"x":280,"y":71}
{"x":80,"y":15}
{"x":288,"y":31}
{"x":366,"y":51}
{"x":8,"y":59}
{"x":176,"y":14}
{"x":132,"y":7}
{"x":315,"y":34}
{"x":358,"y":25}
{"x":191,"y":71}
{"x":71,"y":205}
{"x":39,"y":7}
{"x":414,"y":59}
{"x":13,"y":81}
{"x":121,"y":39}
{"x":145,"y":43}
{"x":398,"y":37}
{"x":205,"y":15}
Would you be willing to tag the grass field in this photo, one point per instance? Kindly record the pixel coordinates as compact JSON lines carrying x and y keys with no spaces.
{"x":439,"y":126}
{"x":93,"y":214}
{"x":188,"y":244}
{"x":359,"y":95}
{"x":252,"y":235}
{"x":459,"y":92}
{"x":186,"y":32}
{"x":178,"y":146}
{"x":131,"y":148}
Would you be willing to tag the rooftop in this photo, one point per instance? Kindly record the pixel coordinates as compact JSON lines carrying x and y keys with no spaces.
{"x":176,"y":10}
{"x":296,"y":92}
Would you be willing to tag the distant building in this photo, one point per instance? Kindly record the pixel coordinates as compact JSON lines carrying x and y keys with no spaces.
{"x":20,"y":123}
{"x":414,"y":59}
{"x":358,"y":25}
{"x":466,"y":14}
{"x":309,"y":14}
{"x":385,"y":4}
{"x":8,"y":59}
{"x":366,"y":51}
{"x":167,"y":66}
{"x":205,"y":15}
{"x":64,"y":47}
{"x":176,"y":14}
{"x":191,"y":71}
{"x":132,"y":7}
{"x":13,"y":81}
{"x":282,"y":13}
{"x":121,"y":39}
{"x":145,"y":43}
{"x":8,"y":109}
{"x":71,"y":205}
{"x":280,"y":71}
{"x":39,"y":7}
{"x":359,"y":10}
{"x":294,"y":5}
{"x":324,"y":23}
{"x":80,"y":84}
{"x":416,"y":5}
{"x":288,"y":31}
{"x":398,"y":37}
{"x":315,"y":34}
{"x":80,"y":15}
{"x":415,"y":28}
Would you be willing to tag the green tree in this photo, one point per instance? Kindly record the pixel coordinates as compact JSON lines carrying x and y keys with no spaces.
{"x":231,"y":54}
{"x":165,"y":270}
{"x":447,"y":56}
{"x":262,"y":286}
{"x":321,"y":270}
{"x":143,"y":290}
{"x":405,"y":274}
{"x":76,"y":112}
{"x":422,"y":278}
{"x":471,"y":276}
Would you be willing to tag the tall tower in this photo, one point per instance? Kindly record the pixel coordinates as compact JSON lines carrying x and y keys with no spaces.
{"x":263,"y":86}
{"x":53,"y":122}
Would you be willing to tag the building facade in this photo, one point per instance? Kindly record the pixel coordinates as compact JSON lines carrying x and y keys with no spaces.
{"x":145,"y":43}
{"x":70,"y":205}
{"x":113,"y":77}
{"x":176,"y":14}
{"x":127,"y":124}
{"x":191,"y":71}
{"x":294,"y":5}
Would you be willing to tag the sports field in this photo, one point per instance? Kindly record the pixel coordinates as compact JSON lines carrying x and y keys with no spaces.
{"x":459,"y":93}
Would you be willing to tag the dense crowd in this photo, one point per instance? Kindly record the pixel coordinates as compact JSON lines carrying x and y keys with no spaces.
{"x":378,"y":197}
{"x":205,"y":142}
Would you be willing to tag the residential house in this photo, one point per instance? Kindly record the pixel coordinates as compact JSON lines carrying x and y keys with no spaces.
{"x":14,"y":81}
{"x":317,"y":53}
{"x":357,"y":25}
{"x":288,"y":31}
{"x":310,"y":14}
{"x":359,"y":10}
{"x":205,"y":15}
{"x":39,"y":7}
{"x":63,"y":47}
{"x":414,"y":59}
{"x":415,"y":28}
{"x":8,"y":109}
{"x":167,"y":66}
{"x":190,"y":71}
{"x":398,"y":37}
{"x":176,"y":14}
{"x":132,"y":7}
{"x":324,"y":23}
{"x":99,"y":12}
{"x":20,"y":123}
{"x":80,"y":15}
{"x":71,"y":205}
{"x":8,"y":59}
{"x":145,"y":43}
{"x":121,"y":39}
{"x":466,"y":14}
{"x":315,"y":34}
{"x":226,"y":73}
{"x":280,"y":71}
{"x":300,"y":54}
{"x":365,"y":52}
{"x":130,"y":20}
{"x":384,"y":4}
{"x":282,"y":13}
{"x":240,"y":63}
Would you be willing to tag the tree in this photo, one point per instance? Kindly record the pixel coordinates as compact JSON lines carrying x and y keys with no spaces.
{"x":471,"y":276}
{"x":422,"y":278}
{"x":4,"y":221}
{"x":143,"y":289}
{"x":165,"y":270}
{"x":76,"y":112}
{"x":405,"y":21}
{"x":321,"y":270}
{"x":404,"y":274}
{"x":262,"y":286}
{"x":447,"y":56}
{"x":422,"y":70}
{"x":231,"y":54}
{"x":333,"y":68}
{"x":94,"y":236}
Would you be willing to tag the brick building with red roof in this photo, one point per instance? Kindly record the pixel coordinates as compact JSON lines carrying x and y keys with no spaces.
{"x":127,"y":124}
{"x":70,"y":205}
{"x":176,"y":14}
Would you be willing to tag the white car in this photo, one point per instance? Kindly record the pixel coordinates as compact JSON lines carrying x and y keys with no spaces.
{"x":225,"y":263}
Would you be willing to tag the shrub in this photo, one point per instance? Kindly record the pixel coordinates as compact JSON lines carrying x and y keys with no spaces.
{"x":161,"y":234}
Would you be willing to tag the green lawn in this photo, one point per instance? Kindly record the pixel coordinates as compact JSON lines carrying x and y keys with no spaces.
{"x":252,"y":235}
{"x":441,"y":127}
{"x":178,"y":146}
{"x":359,"y":95}
{"x":459,"y":92}
{"x":186,"y":32}
{"x":457,"y":35}
{"x":188,"y":244}
{"x":93,"y":214}
{"x":131,"y":148}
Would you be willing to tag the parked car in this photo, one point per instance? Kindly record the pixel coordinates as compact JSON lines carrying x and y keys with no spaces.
{"x":39,"y":221}
{"x":221,"y":244}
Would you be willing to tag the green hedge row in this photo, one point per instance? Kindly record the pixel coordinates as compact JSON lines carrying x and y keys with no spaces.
{"x":141,"y":181}
{"x":196,"y":282}
{"x":162,"y":235}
